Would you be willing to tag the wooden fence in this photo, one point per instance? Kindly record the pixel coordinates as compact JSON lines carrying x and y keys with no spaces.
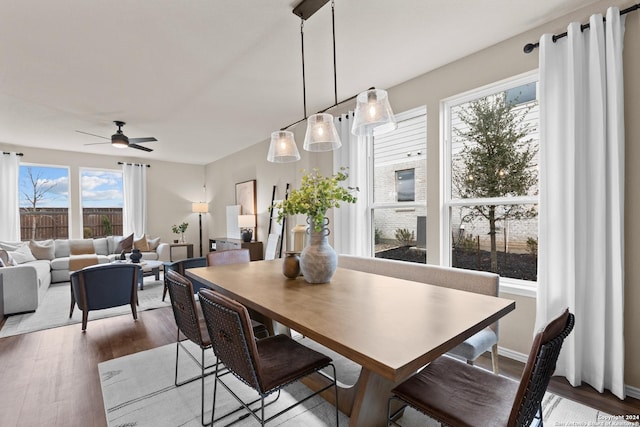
{"x":53,"y":223}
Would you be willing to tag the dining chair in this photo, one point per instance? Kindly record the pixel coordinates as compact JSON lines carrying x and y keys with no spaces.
{"x":104,"y":286}
{"x":180,"y":267}
{"x":267,"y":365}
{"x":241,"y":256}
{"x":457,"y":394}
{"x":190,"y":323}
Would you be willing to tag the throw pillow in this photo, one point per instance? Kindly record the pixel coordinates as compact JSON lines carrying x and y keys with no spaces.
{"x":10,"y":246}
{"x":153,"y":243}
{"x":6,"y":258}
{"x":81,"y":247}
{"x":43,"y":250}
{"x":125,"y":244}
{"x":141,"y":244}
{"x":101,"y":245}
{"x":22,"y":254}
{"x":1,"y":263}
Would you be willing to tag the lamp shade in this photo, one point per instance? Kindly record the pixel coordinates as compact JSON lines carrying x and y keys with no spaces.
{"x":199,"y":207}
{"x":373,"y":112}
{"x":246,"y":221}
{"x":283,"y":148}
{"x":321,"y":133}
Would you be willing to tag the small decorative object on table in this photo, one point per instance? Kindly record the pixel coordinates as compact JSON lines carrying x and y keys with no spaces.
{"x":123,"y":256}
{"x":135,"y":256}
{"x":291,"y":265}
{"x":317,"y":194}
{"x":180,"y":229}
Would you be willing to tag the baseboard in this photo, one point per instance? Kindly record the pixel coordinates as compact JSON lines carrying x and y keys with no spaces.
{"x":630,"y":391}
{"x":520,"y":357}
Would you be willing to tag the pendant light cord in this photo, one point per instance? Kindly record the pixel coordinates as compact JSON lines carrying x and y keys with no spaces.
{"x":304,"y":86}
{"x":335,"y":76}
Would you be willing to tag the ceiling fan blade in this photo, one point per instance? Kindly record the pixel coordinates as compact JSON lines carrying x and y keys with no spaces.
{"x":139,"y":147}
{"x":92,"y":134}
{"x":99,"y":143}
{"x":137,"y":140}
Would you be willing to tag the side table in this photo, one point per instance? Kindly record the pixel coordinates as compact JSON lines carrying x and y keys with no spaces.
{"x":177,"y":251}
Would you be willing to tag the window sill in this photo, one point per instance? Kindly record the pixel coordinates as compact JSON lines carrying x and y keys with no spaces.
{"x":523,"y":288}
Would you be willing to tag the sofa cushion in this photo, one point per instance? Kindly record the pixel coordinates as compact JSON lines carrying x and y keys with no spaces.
{"x":62,"y":247}
{"x":141,"y":244}
{"x":44,"y":250}
{"x":10,"y":246}
{"x":81,"y":247}
{"x":101,"y":246}
{"x":22,"y":254}
{"x":125,"y":244}
{"x":153,"y":243}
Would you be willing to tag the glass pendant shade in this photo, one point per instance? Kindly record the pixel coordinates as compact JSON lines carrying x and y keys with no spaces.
{"x":283,"y":148}
{"x":321,"y":133}
{"x":373,"y":112}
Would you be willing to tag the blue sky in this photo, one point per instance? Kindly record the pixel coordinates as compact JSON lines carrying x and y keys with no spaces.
{"x":100,"y":188}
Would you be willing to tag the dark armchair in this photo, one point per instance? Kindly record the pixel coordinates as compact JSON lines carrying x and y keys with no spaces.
{"x":104,"y":286}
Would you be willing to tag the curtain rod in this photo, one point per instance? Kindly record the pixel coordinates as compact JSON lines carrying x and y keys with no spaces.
{"x":134,"y":164}
{"x":529,"y":47}
{"x":17,"y":154}
{"x":326,"y":109}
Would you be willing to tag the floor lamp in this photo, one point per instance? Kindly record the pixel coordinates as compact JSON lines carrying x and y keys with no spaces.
{"x":200,"y":208}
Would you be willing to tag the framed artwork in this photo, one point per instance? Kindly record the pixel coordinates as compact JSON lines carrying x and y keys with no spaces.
{"x":246,"y":197}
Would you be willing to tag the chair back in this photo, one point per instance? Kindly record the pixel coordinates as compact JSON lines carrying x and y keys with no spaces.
{"x":184,"y":306}
{"x":105,"y":285}
{"x":183,"y":264}
{"x":539,"y":368}
{"x":233,"y":256}
{"x":232,"y":336}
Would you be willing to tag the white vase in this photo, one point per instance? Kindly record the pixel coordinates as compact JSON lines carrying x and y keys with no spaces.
{"x":318,"y":260}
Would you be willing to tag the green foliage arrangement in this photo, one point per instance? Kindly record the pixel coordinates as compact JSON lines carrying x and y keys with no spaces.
{"x":405,"y":237}
{"x":179,"y":229}
{"x":315,"y":196}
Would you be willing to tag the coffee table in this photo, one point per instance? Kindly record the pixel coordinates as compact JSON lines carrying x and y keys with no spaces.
{"x":147,"y":268}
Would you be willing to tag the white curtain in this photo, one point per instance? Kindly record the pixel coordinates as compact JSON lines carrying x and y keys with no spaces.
{"x":581,"y":239}
{"x":134,"y":211}
{"x":9,"y":194}
{"x":351,"y":222}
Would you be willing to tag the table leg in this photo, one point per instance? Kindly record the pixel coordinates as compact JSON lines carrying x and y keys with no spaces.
{"x":156,"y":272}
{"x":365,"y":402}
{"x":141,"y":280}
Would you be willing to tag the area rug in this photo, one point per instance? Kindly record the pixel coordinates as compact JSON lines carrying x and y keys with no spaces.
{"x":53,"y":310}
{"x":138,"y":390}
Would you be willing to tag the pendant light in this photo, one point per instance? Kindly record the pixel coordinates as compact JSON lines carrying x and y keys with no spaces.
{"x":322,"y":134}
{"x":373,"y":113}
{"x":283,"y":148}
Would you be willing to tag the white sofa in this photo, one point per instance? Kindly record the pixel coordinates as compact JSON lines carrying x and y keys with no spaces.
{"x":456,"y":278}
{"x":24,"y":285}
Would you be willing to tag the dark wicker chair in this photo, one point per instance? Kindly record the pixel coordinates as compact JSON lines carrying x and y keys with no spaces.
{"x":180,"y":267}
{"x":191,"y":324}
{"x":104,"y":286}
{"x":457,"y":394}
{"x":266,"y":365}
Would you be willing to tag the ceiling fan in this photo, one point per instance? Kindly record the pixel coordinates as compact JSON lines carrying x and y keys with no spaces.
{"x":120,"y":140}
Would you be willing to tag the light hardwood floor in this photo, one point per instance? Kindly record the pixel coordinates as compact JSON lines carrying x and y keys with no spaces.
{"x":51,"y":377}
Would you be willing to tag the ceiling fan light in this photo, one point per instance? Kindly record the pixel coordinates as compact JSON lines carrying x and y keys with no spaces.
{"x":373,"y":113}
{"x":322,"y":134}
{"x":283,"y":148}
{"x":119,"y":140}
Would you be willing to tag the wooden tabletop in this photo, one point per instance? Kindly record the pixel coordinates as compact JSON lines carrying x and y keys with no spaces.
{"x":390,"y":326}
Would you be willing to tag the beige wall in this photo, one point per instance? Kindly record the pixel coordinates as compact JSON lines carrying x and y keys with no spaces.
{"x":498,"y":62}
{"x":171,"y":187}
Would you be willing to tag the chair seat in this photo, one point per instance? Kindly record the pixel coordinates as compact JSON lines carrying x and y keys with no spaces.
{"x":283,"y":360}
{"x":475,"y":345}
{"x":447,"y":390}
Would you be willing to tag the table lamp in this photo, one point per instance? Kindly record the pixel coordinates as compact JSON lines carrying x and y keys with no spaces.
{"x":246,"y":224}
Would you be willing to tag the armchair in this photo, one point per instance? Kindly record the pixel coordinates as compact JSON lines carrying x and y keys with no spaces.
{"x":104,"y":286}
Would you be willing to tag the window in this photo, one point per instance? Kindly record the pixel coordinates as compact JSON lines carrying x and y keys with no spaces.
{"x":491,"y":180}
{"x":399,"y":189}
{"x":405,"y":185}
{"x":101,"y":202}
{"x":44,"y":202}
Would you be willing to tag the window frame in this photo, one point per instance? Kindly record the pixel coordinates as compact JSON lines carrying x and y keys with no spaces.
{"x":507,"y":284}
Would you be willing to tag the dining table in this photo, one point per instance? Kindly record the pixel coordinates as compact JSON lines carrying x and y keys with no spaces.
{"x":389,"y":326}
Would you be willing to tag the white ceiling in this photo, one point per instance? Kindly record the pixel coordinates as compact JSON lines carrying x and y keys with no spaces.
{"x":210,"y":77}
